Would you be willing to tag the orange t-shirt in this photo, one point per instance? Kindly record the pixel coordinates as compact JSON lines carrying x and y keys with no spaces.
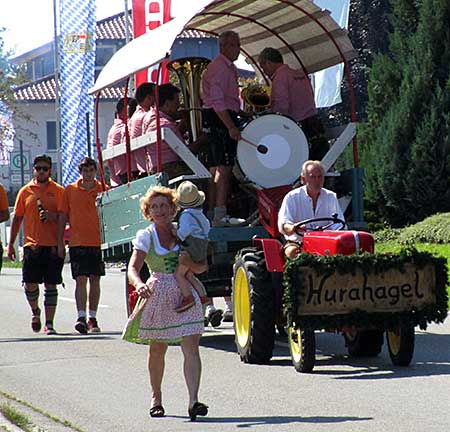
{"x":80,"y":207}
{"x":3,"y":199}
{"x":36,"y":232}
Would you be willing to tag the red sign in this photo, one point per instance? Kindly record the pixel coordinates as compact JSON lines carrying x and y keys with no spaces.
{"x":147,"y":15}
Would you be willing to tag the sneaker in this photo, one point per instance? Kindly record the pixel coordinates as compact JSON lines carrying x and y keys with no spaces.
{"x":36,"y":321}
{"x":228,"y":221}
{"x":186,"y":303}
{"x":81,"y":326}
{"x":92,"y":325}
{"x":227,"y":315}
{"x":49,"y":329}
{"x":215,"y":317}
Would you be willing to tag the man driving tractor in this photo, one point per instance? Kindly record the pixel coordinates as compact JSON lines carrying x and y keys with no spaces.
{"x":309,"y":201}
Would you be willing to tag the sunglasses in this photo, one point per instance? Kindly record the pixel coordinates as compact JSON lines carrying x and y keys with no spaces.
{"x":42,"y":168}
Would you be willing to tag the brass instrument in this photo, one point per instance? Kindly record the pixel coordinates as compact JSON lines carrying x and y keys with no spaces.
{"x":256,"y":97}
{"x":189,"y":71}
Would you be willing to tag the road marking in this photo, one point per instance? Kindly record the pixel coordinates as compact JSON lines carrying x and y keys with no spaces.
{"x":71,"y":300}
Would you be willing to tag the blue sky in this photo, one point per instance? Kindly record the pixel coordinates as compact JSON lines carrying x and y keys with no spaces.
{"x":30,"y":22}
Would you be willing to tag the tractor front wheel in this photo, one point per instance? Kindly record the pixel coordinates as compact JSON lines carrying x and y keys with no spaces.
{"x":253,"y":307}
{"x":401,"y":344}
{"x":302,"y":344}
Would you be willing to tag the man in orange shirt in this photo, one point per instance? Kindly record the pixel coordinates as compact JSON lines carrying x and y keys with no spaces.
{"x":37,"y":205}
{"x":78,"y":207}
{"x":4,"y":216}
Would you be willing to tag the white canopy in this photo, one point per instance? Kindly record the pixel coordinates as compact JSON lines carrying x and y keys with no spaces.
{"x":306,"y":35}
{"x":146,"y":50}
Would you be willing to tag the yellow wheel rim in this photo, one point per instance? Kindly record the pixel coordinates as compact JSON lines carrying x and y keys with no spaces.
{"x":241,"y":306}
{"x":394,"y":338}
{"x":295,"y":343}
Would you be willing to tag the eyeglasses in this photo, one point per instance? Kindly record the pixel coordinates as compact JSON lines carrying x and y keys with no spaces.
{"x":42,"y":168}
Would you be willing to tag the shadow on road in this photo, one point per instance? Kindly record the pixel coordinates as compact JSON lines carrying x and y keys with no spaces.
{"x":64,"y":337}
{"x":247,"y":422}
{"x":431,"y":357}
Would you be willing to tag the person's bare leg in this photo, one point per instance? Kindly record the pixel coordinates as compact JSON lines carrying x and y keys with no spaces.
{"x":212,"y":190}
{"x":181,"y":277}
{"x":223,"y":177}
{"x":156,"y":363}
{"x":51,"y":298}
{"x":32,"y":294}
{"x":81,"y":293}
{"x":192,"y":366}
{"x":292,"y":251}
{"x":198,"y":286}
{"x":94,"y":292}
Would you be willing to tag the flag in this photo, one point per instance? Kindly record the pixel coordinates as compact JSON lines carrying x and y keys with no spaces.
{"x":148,"y":15}
{"x":327,"y":83}
{"x":77,"y":59}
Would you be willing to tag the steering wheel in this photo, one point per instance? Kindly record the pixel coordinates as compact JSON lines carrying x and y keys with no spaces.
{"x":332,"y":220}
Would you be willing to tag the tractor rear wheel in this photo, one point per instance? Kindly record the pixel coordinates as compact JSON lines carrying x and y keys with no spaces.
{"x":364,"y":343}
{"x":302,"y":344}
{"x":253,"y":307}
{"x":401,"y":344}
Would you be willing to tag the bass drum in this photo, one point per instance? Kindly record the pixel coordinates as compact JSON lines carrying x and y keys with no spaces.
{"x":287,"y":149}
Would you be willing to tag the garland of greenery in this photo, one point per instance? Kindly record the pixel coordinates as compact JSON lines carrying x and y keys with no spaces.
{"x":368,"y":263}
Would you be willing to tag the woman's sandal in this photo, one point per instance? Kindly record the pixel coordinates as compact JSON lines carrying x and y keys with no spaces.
{"x":157,"y":411}
{"x":198,"y":409}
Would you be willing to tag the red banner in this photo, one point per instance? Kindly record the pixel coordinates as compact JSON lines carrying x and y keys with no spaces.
{"x":147,"y":15}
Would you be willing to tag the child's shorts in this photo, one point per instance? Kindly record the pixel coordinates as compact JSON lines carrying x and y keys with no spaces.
{"x":197,"y":248}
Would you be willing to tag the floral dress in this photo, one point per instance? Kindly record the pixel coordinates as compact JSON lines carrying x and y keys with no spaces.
{"x":155,"y":319}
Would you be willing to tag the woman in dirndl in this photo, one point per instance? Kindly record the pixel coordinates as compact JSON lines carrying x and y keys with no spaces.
{"x":154,"y":320}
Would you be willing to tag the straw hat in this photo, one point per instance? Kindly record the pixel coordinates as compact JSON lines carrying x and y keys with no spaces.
{"x":189,"y":196}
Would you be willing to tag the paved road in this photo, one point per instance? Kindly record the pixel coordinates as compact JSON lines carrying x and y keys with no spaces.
{"x":100,"y":383}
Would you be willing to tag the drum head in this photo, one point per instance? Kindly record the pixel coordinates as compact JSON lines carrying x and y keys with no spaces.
{"x":287,"y":149}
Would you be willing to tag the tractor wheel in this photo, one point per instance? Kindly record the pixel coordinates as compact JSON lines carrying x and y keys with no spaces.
{"x":302,"y":344}
{"x":364,"y":343}
{"x":401,"y":345}
{"x":253,"y":307}
{"x":131,"y":295}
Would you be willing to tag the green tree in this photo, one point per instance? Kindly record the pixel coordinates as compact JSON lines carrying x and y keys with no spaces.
{"x":404,"y":143}
{"x":6,"y":92}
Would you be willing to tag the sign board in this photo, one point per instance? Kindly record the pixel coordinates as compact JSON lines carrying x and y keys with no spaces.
{"x":389,"y":291}
{"x":18,"y":162}
{"x":16,"y":179}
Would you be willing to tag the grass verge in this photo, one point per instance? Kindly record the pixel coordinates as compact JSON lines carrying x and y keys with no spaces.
{"x":16,"y":417}
{"x":37,"y":410}
{"x":12,"y":264}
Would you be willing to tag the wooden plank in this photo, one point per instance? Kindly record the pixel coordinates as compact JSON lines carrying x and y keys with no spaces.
{"x":178,"y":146}
{"x":339,"y":146}
{"x":390,"y":291}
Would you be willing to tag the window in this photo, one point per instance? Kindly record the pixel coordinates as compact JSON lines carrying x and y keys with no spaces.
{"x":51,"y":135}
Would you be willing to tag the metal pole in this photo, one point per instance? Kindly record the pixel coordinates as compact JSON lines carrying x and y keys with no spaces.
{"x":22,"y":173}
{"x":127,"y":32}
{"x":88,"y":135}
{"x":57,"y":95}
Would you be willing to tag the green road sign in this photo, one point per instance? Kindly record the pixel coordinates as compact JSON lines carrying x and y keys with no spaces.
{"x":18,"y":162}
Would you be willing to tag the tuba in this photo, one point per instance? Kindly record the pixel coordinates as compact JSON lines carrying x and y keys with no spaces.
{"x":189,"y":71}
{"x":256,"y":97}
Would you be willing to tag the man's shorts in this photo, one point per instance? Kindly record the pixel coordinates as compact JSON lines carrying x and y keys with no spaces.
{"x":197,"y":248}
{"x":41,"y":264}
{"x":86,"y":261}
{"x":220,"y":148}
